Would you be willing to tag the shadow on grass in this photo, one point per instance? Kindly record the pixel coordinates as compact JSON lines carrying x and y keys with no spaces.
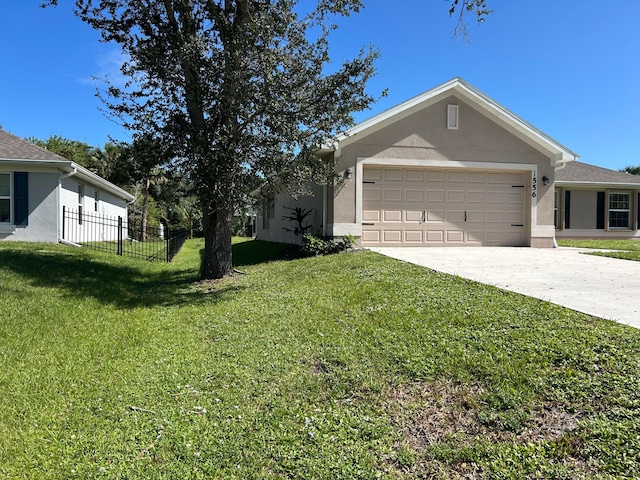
{"x":255,"y":252}
{"x":116,"y":284}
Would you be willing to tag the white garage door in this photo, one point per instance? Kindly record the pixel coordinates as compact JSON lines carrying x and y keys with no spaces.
{"x":412,"y":206}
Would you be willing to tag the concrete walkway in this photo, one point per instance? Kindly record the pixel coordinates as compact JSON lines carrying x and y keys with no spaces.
{"x":603,"y":287}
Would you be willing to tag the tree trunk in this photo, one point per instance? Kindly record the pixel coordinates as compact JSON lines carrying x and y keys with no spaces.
{"x":217,"y":262}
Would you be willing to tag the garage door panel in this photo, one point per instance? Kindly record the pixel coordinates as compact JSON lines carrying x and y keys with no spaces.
{"x":435,"y":196}
{"x":475,"y":197}
{"x":443,"y":207}
{"x":435,"y":216}
{"x":392,"y":175}
{"x":415,"y":175}
{"x":435,"y":176}
{"x":392,"y":195}
{"x":391,"y":236}
{"x":414,"y":195}
{"x":371,"y":195}
{"x":455,"y":196}
{"x":514,"y":198}
{"x":413,"y":236}
{"x":371,"y":216}
{"x":413,"y":215}
{"x":455,"y":236}
{"x":476,"y":177}
{"x":371,"y":236}
{"x":434,"y":236}
{"x":476,"y":216}
{"x":392,"y":216}
{"x":372,"y":174}
{"x":455,"y":216}
{"x":475,"y":237}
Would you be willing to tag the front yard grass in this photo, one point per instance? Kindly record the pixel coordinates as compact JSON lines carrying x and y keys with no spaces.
{"x":623,"y":249}
{"x":348,"y":366}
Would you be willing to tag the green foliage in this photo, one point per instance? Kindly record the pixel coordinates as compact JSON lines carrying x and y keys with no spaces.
{"x":622,"y":249}
{"x":336,"y":367}
{"x":238,"y":91}
{"x":297,"y":217}
{"x":631,"y":169}
{"x":314,"y":245}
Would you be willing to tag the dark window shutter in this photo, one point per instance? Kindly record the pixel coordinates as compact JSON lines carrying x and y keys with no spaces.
{"x":600,"y":214}
{"x":567,"y":209}
{"x":20,"y":198}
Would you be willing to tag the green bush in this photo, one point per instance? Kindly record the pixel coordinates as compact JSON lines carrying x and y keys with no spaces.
{"x":313,"y":245}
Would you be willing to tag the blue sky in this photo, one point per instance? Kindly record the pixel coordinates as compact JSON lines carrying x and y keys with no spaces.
{"x":569,"y":68}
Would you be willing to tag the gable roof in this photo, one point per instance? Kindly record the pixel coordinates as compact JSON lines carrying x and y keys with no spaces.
{"x":584,"y":174}
{"x":17,"y":151}
{"x":476,"y":99}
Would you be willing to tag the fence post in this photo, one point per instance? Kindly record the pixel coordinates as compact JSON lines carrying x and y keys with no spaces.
{"x":119,"y":235}
{"x":167,"y":240}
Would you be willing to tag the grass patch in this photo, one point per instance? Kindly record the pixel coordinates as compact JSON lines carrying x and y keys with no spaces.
{"x":348,"y":366}
{"x":623,"y":249}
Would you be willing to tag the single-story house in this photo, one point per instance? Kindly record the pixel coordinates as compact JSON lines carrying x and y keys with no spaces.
{"x":448,"y":167}
{"x":595,"y":202}
{"x":36,"y":185}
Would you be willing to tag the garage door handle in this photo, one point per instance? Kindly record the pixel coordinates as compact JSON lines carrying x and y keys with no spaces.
{"x":517,"y":225}
{"x":424,"y":216}
{"x":465,"y":215}
{"x":367,"y":224}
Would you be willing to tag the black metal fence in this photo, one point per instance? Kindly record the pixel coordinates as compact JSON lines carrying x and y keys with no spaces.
{"x":117,"y":235}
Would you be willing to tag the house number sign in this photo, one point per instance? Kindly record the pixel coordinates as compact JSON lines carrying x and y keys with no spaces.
{"x":534,"y":186}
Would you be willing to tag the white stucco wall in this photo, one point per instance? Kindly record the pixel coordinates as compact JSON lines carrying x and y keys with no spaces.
{"x":43,"y":216}
{"x":94,"y":216}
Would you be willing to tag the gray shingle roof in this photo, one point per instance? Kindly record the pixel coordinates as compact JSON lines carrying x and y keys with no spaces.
{"x":580,"y":172}
{"x":16,"y":148}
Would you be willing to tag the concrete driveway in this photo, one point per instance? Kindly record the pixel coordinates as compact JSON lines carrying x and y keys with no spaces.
{"x":604,"y":287}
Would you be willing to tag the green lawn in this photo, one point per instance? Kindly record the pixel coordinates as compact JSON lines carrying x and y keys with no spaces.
{"x":349,"y":366}
{"x":625,"y":249}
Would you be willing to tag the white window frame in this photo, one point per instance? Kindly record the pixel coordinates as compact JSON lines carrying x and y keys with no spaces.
{"x":625,"y":210}
{"x":452,"y":116}
{"x":8,"y":197}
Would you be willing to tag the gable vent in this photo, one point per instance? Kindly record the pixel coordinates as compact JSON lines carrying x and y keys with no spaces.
{"x":452,"y":117}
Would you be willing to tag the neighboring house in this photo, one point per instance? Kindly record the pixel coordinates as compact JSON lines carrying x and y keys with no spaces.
{"x":35,"y":186}
{"x":595,"y":202}
{"x":448,"y":167}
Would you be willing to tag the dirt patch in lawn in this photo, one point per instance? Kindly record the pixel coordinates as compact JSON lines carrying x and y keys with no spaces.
{"x":447,"y":413}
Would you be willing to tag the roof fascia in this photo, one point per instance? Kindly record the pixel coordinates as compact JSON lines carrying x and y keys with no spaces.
{"x":591,"y":185}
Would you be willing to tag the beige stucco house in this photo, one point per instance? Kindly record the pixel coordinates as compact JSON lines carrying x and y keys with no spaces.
{"x":450,"y":167}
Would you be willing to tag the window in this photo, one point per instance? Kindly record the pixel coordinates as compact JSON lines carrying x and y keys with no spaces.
{"x":5,"y":197}
{"x":619,"y":210}
{"x":268,"y":211}
{"x":452,"y":117}
{"x":80,"y":202}
{"x":96,"y":201}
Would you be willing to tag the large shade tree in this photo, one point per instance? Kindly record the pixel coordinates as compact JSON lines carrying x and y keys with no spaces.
{"x":243,"y":91}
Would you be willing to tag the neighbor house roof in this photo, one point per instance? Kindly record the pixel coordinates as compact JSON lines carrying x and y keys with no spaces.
{"x":17,"y":151}
{"x":478,"y":100}
{"x":584,"y":174}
